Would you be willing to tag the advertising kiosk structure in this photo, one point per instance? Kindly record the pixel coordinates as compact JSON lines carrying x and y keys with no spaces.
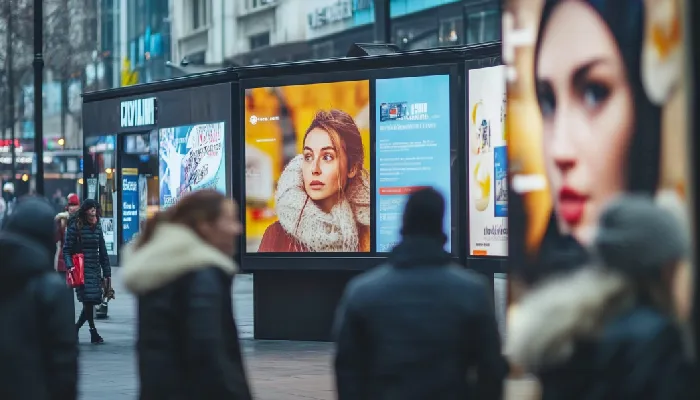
{"x":138,"y":139}
{"x":321,"y":155}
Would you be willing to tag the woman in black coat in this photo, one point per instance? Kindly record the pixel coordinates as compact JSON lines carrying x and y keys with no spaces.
{"x":84,"y":235}
{"x":181,"y":268}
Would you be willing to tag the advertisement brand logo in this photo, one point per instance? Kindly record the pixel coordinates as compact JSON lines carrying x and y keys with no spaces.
{"x":253,"y":120}
{"x":496,"y":230}
{"x":336,"y":12}
{"x":140,"y":112}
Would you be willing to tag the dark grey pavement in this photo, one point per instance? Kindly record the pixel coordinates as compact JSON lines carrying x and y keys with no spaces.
{"x":277,"y":370}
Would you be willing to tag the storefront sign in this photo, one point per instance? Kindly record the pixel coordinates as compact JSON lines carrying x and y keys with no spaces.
{"x":130,"y":204}
{"x":140,"y":112}
{"x":335,"y":12}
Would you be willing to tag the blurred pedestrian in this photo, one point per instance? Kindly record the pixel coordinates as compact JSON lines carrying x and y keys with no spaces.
{"x":61,"y":226}
{"x":610,"y":331}
{"x":181,"y":268}
{"x":38,"y":350}
{"x":84,"y":235}
{"x":421,"y":325}
{"x":8,"y":200}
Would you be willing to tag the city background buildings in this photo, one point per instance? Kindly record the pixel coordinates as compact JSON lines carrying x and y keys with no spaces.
{"x":100,"y":44}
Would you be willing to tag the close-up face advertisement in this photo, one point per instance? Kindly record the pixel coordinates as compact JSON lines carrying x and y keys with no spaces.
{"x":596,"y":107}
{"x":307,"y":168}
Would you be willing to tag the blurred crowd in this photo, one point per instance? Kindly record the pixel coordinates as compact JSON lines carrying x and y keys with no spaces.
{"x":418,"y":327}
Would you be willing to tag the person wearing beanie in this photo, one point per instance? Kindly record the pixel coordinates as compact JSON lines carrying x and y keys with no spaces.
{"x":415,"y":327}
{"x":610,"y":331}
{"x":38,"y":350}
{"x":61,"y":225}
{"x":84,"y":235}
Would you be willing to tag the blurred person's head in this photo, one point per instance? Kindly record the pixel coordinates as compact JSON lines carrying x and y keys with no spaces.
{"x":424,"y":214}
{"x":33,"y":219}
{"x":597,"y":119}
{"x":644,"y":242}
{"x":333,"y":156}
{"x":73,"y":203}
{"x":87,"y":213}
{"x":208,"y":213}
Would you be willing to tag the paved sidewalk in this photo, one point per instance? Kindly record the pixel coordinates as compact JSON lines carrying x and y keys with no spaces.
{"x":277,"y":370}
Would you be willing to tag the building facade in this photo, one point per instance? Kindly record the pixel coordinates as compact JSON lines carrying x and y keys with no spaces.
{"x":216,"y":33}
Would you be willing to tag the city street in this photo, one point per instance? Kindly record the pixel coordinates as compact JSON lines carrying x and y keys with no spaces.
{"x":277,"y":370}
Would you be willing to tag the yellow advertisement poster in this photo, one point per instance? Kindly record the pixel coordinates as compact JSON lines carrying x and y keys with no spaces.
{"x":307,"y":168}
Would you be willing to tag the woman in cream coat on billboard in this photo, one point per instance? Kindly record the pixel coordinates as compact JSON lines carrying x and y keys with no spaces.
{"x":323,"y":194}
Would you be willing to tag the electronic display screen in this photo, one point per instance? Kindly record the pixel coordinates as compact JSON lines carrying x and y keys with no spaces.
{"x":487,"y":172}
{"x":412,"y":142}
{"x":307,"y":183}
{"x":191,"y":158}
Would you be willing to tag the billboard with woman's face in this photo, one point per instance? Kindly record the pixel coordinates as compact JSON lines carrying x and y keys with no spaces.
{"x":307,"y":168}
{"x":597,"y":100}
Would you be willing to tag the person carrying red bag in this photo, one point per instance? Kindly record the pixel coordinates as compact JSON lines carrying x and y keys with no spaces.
{"x":84,"y":236}
{"x":62,"y":219}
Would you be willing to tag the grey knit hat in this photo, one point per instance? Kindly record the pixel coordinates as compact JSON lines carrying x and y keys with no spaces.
{"x":638,"y":237}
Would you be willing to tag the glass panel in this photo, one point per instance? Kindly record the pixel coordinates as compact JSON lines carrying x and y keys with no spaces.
{"x":139,"y":169}
{"x":483,"y":26}
{"x":102,"y":185}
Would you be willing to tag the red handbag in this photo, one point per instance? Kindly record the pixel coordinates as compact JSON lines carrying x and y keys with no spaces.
{"x":76,"y":276}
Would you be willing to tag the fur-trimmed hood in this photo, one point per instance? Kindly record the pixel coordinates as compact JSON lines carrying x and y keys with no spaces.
{"x":307,"y":223}
{"x":173,"y":251}
{"x":545,"y":327}
{"x":62,"y":216}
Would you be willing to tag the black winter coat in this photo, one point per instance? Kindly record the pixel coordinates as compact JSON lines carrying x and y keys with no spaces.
{"x":91,"y":242}
{"x":187,"y":338}
{"x":414,"y":329}
{"x":589,"y":335}
{"x":38,"y":349}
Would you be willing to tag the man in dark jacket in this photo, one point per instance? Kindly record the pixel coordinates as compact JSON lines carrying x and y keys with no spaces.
{"x":420,"y":326}
{"x":38,"y":350}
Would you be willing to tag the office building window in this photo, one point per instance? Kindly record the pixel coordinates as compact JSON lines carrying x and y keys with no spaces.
{"x":483,"y":26}
{"x":199,"y":14}
{"x":451,"y":32}
{"x":259,"y":40}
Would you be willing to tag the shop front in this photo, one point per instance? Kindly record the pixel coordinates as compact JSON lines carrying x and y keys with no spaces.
{"x":136,"y":147}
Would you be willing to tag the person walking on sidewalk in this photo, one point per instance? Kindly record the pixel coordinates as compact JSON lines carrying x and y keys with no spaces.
{"x":416,"y":327}
{"x":38,"y":350}
{"x":610,"y":331}
{"x":181,"y":269}
{"x":61,"y":226}
{"x":84,"y":235}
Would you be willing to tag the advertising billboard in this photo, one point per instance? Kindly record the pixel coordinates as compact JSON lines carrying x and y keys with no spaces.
{"x":307,"y":168}
{"x":412,"y":149}
{"x":191,"y":158}
{"x":585,"y":126}
{"x":487,"y":155}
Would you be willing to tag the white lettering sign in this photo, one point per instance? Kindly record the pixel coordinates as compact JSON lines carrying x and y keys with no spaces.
{"x":336,"y":12}
{"x":140,"y":112}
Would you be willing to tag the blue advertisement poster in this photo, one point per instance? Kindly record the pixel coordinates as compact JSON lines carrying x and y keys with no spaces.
{"x":500,"y":173}
{"x":191,"y":158}
{"x":130,"y":204}
{"x":413,"y":148}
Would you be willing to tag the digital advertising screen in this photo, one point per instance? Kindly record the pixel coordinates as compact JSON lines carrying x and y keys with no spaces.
{"x":191,"y":158}
{"x":307,"y":182}
{"x":488,"y":163}
{"x":412,"y":149}
{"x":585,"y":126}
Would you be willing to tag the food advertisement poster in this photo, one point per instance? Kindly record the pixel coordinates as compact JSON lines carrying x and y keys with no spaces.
{"x":487,"y":173}
{"x":191,"y":158}
{"x":412,"y":149}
